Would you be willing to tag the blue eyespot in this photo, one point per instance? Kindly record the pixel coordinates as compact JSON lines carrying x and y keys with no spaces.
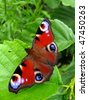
{"x":38,"y":77}
{"x":53,"y":47}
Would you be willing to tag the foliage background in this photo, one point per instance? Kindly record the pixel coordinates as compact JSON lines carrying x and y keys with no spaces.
{"x":19,"y":20}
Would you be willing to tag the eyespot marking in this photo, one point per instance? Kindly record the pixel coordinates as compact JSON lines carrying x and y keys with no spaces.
{"x":44,"y":26}
{"x":15,"y":81}
{"x":51,"y":47}
{"x":38,"y":77}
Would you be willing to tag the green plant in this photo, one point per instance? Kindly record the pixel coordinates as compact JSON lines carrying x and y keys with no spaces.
{"x":19,"y":20}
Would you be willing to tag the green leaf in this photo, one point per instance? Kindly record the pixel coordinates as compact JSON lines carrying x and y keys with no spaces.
{"x":65,"y":14}
{"x":56,"y":77}
{"x":68,"y":72}
{"x":68,"y":3}
{"x":56,"y":97}
{"x":64,"y":36}
{"x":11,"y":54}
{"x":52,"y":3}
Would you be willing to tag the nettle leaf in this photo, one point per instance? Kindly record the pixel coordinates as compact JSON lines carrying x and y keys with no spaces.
{"x":65,"y":14}
{"x":68,"y":72}
{"x":68,"y":3}
{"x":11,"y":54}
{"x":64,"y":36}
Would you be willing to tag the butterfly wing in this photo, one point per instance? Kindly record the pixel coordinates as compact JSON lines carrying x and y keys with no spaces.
{"x":37,"y":67}
{"x":28,"y":73}
{"x":44,"y":35}
{"x":23,"y":76}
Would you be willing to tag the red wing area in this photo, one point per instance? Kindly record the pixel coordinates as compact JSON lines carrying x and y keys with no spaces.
{"x":44,"y":39}
{"x":44,"y":35}
{"x":23,"y":76}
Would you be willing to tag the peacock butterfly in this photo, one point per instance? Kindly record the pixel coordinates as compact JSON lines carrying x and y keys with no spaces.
{"x":38,"y":65}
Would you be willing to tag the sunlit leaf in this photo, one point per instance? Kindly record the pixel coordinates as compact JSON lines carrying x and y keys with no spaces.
{"x":69,"y":2}
{"x":65,"y":14}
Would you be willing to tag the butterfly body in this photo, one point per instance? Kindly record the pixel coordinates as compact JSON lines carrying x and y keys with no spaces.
{"x":38,"y":65}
